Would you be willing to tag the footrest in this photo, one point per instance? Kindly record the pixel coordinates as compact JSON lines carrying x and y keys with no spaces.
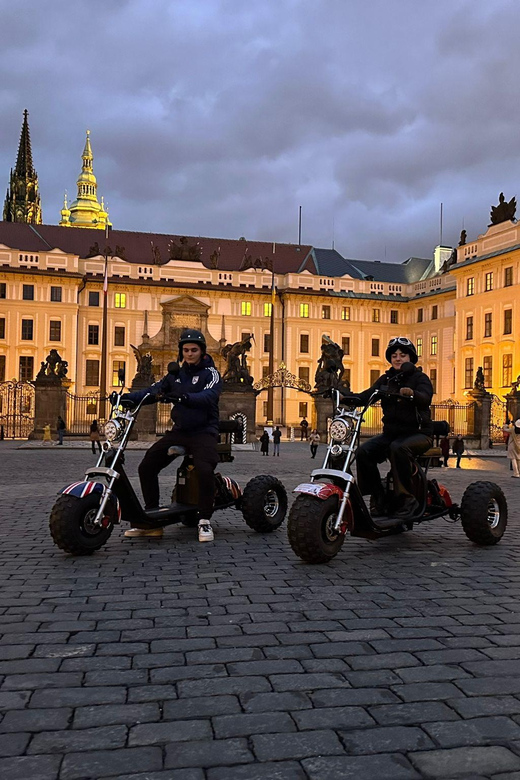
{"x":433,"y":452}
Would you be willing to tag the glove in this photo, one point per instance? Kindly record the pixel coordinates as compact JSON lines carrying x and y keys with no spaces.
{"x":176,"y":398}
{"x":126,"y":401}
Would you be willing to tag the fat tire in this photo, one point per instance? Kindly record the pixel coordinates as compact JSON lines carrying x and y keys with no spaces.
{"x":474,"y":513}
{"x":305,"y":529}
{"x":65,"y":525}
{"x":253,"y":503}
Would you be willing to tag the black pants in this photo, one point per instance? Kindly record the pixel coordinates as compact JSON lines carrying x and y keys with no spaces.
{"x":399,"y":450}
{"x":201,"y":446}
{"x":314,"y":450}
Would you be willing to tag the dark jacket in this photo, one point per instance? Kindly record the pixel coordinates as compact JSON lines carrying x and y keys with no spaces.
{"x":445,"y":446}
{"x":201,"y":384}
{"x":403,"y":416}
{"x":458,"y":446}
{"x":277,"y":435}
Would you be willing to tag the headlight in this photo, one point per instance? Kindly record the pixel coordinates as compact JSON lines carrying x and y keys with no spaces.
{"x":339,"y":430}
{"x":336,"y":450}
{"x":113,"y":430}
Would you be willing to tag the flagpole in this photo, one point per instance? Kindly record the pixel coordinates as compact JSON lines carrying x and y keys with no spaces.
{"x":270,"y":389}
{"x":104,"y":339}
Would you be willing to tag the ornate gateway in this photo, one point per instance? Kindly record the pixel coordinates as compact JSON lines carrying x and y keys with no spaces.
{"x":16,"y":409}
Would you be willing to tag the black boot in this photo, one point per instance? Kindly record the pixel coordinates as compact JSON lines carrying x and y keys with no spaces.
{"x":408,"y":509}
{"x":378,"y":505}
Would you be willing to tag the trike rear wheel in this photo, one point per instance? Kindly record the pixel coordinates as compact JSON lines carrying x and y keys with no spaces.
{"x":483,"y":513}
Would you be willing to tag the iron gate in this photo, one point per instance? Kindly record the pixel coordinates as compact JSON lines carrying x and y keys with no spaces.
{"x":16,"y":409}
{"x":82,"y":410}
{"x":497,"y":419}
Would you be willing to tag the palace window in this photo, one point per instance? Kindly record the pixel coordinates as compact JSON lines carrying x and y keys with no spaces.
{"x":507,"y":370}
{"x":92,"y":373}
{"x":433,"y":379}
{"x":508,"y":321}
{"x":55,"y":330}
{"x":508,"y":276}
{"x":488,"y":324}
{"x":27,"y":330}
{"x":345,"y":313}
{"x":325,"y":312}
{"x":435,"y":312}
{"x":93,"y":298}
{"x":345,"y":345}
{"x":119,"y":336}
{"x":26,"y":369}
{"x":469,"y":328}
{"x":28,"y":292}
{"x":120,"y":300}
{"x":303,"y":373}
{"x":488,"y":283}
{"x":304,"y":342}
{"x":468,"y":373}
{"x":394,"y":316}
{"x":267,"y":309}
{"x":2,"y":368}
{"x":419,"y":346}
{"x":375,"y":373}
{"x":376,"y":315}
{"x":93,"y":334}
{"x":2,"y":327}
{"x":3,"y":290}
{"x":487,"y":365}
{"x":302,"y":409}
{"x":433,"y":345}
{"x":420,"y":315}
{"x":470,"y":286}
{"x":117,"y":365}
{"x":375,"y":347}
{"x":346,"y":376}
{"x":265,"y":371}
{"x":245,"y":308}
{"x":304,"y":309}
{"x":267,"y":342}
{"x":56,"y":294}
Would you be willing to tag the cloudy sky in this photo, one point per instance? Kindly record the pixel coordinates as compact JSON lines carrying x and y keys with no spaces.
{"x":222,"y":117}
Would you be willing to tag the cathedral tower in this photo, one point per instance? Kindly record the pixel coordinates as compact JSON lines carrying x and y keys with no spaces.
{"x":85,"y":211}
{"x":22,"y":202}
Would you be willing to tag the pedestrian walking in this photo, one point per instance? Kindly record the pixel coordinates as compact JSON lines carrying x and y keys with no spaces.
{"x":60,"y":429}
{"x":445,"y":449}
{"x":264,"y":443}
{"x":304,"y":429}
{"x":95,"y":438}
{"x":277,"y":435}
{"x":458,"y":448}
{"x":513,"y":446}
{"x":314,"y":440}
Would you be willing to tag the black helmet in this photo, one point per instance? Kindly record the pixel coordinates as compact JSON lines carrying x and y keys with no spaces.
{"x":405,"y":345}
{"x":191,"y":336}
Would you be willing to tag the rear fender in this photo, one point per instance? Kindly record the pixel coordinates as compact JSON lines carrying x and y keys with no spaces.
{"x":85,"y":488}
{"x":319,"y":490}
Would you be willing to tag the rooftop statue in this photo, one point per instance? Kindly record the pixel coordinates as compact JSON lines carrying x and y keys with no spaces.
{"x":462,"y":239}
{"x":504,"y":211}
{"x":184,"y":251}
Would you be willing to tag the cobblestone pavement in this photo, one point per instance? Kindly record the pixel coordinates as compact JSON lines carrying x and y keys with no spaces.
{"x":164,"y":659}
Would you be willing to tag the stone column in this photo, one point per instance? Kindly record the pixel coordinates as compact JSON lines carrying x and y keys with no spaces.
{"x":239,"y":399}
{"x":145,"y":426}
{"x":482,"y":418}
{"x":50,"y":400}
{"x":324,"y":411}
{"x":513,"y":405}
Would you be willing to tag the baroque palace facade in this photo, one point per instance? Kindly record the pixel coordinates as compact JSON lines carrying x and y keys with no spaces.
{"x":460,"y":308}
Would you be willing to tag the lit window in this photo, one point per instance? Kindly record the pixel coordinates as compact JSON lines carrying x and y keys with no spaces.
{"x":117,"y":365}
{"x":433,"y":345}
{"x":304,"y":373}
{"x":345,"y":313}
{"x":120,"y":300}
{"x":325,"y":312}
{"x":267,"y":309}
{"x":245,"y":308}
{"x":507,"y":370}
{"x":419,"y":346}
{"x":489,"y":281}
{"x":376,"y":315}
{"x":304,"y":309}
{"x":470,"y":286}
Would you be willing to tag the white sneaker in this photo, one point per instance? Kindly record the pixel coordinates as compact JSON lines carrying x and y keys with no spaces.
{"x":205,"y":531}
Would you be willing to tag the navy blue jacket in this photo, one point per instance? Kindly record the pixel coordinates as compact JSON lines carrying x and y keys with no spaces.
{"x":403,"y":416}
{"x":202,"y":384}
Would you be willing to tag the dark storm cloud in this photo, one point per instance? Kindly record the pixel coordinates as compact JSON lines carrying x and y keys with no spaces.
{"x":222,"y":117}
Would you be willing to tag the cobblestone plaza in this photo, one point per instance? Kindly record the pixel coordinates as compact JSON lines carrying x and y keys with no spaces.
{"x":164,"y":659}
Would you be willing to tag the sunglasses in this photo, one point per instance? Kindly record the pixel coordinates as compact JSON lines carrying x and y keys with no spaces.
{"x":400,"y":340}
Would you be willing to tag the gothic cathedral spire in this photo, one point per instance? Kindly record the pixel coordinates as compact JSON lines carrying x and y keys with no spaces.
{"x":85,"y":211}
{"x":22,"y":202}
